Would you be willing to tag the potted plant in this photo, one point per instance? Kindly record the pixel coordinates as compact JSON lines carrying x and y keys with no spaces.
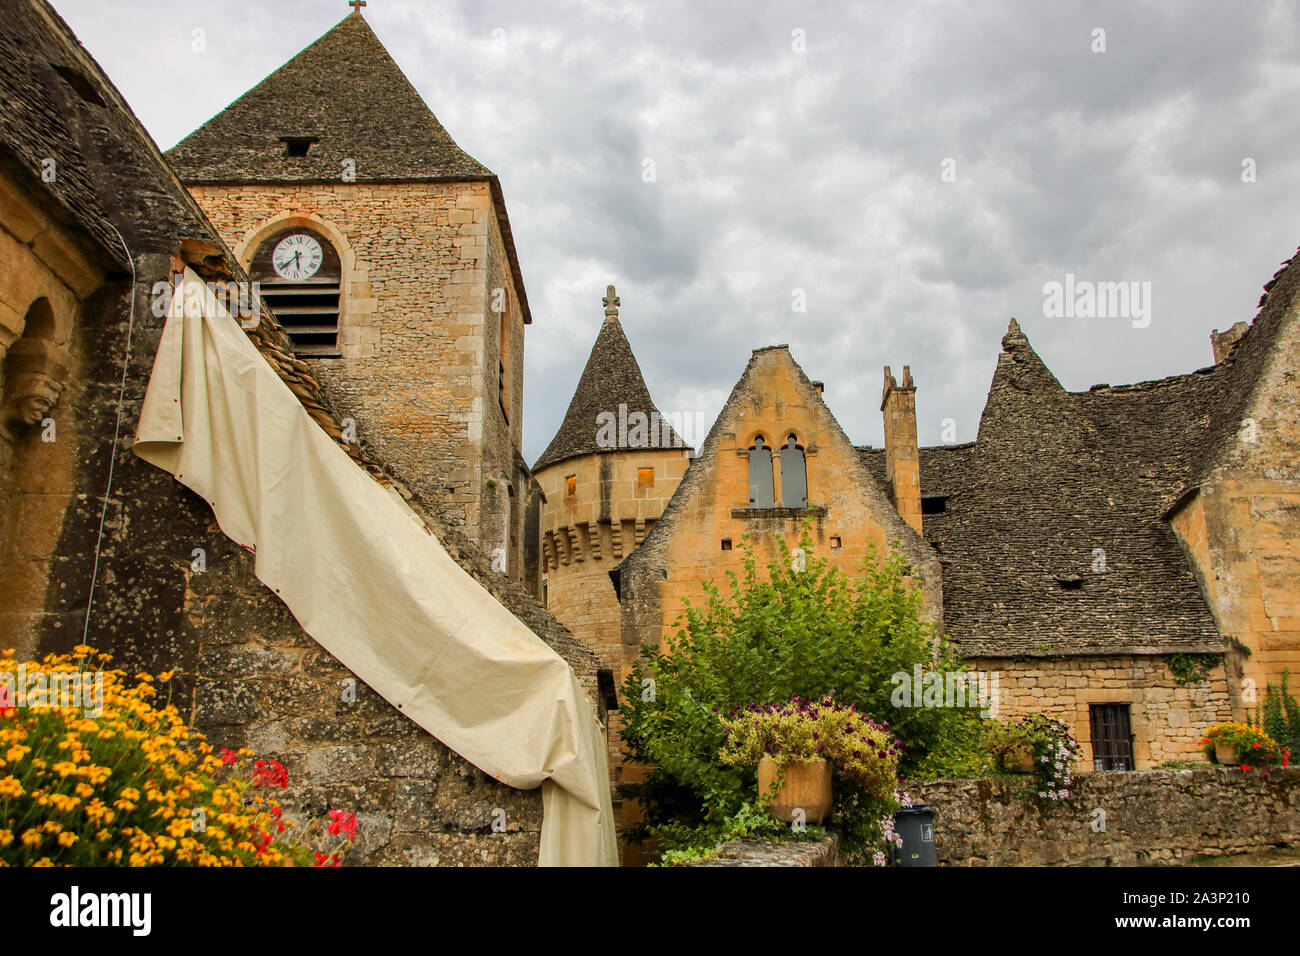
{"x":1039,"y":745}
{"x":1234,"y":743}
{"x":799,"y":745}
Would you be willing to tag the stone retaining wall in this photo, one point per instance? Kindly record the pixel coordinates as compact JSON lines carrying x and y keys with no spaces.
{"x":823,"y":852}
{"x":1144,"y":817}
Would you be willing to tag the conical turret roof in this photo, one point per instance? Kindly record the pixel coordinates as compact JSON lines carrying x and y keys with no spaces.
{"x":345,"y":93}
{"x":612,"y":378}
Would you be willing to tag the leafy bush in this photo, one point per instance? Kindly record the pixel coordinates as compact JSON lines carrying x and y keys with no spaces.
{"x":803,"y":628}
{"x":958,"y":751}
{"x":1281,"y":715}
{"x":1192,"y":668}
{"x":125,"y":782}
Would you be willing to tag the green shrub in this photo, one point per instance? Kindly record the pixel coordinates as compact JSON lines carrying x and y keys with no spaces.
{"x":764,"y":638}
{"x":1281,"y":715}
{"x":958,"y":751}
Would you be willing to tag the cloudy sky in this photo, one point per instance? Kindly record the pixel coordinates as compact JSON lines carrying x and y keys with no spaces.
{"x":913,"y":173}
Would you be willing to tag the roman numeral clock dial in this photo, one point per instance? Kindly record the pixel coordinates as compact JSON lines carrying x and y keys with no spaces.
{"x":297,"y":257}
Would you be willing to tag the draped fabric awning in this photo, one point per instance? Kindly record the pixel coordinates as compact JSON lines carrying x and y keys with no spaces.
{"x":368,"y":581}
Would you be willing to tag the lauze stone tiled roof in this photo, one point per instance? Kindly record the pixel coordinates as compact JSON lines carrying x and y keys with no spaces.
{"x":1055,"y":478}
{"x":346,"y":92}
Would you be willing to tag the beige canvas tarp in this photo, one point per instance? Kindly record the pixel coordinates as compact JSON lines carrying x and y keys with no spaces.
{"x":367,"y":580}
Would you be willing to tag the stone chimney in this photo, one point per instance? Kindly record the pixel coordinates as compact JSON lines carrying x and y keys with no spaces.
{"x":902,"y":457}
{"x":1224,"y":342}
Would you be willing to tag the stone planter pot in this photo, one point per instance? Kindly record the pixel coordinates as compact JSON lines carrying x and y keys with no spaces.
{"x":1018,"y":761}
{"x":1226,"y":754}
{"x":804,"y":786}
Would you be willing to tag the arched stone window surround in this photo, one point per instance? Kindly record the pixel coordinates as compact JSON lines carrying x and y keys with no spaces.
{"x":35,"y":363}
{"x":33,"y":464}
{"x":356,"y":311}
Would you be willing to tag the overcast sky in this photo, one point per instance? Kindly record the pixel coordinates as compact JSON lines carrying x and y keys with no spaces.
{"x":813,"y":147}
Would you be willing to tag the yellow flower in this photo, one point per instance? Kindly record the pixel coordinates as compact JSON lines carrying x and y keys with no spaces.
{"x":10,"y":787}
{"x":67,"y":839}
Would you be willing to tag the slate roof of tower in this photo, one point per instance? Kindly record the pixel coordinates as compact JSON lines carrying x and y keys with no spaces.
{"x":345,"y":90}
{"x":611,"y":378}
{"x":1054,"y":475}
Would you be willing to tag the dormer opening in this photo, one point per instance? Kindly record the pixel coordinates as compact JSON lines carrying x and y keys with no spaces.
{"x":934,"y":504}
{"x":297,"y":145}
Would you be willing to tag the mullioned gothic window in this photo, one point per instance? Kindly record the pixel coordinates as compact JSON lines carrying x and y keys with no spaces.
{"x":794,"y":474}
{"x":762,"y":493}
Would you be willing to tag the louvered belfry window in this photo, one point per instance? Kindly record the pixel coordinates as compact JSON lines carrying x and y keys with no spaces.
{"x":306,"y":306}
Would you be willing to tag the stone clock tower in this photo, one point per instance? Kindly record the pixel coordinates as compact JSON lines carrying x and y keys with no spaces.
{"x":385,"y":251}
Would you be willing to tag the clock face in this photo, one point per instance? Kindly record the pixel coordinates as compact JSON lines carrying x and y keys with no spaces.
{"x":297,"y":257}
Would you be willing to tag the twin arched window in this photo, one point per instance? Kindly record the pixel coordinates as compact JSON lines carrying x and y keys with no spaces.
{"x":794,"y":475}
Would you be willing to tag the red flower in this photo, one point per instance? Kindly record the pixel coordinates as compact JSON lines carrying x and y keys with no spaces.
{"x":1245,"y":766}
{"x":228,"y":756}
{"x":9,"y":712}
{"x":272,"y":775}
{"x":344,"y":823}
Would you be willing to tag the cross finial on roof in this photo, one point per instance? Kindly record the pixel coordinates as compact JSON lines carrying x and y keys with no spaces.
{"x":356,"y":5}
{"x":611,"y":303}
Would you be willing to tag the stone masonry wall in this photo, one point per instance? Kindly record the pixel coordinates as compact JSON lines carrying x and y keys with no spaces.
{"x":1149,"y":817}
{"x":774,"y":400}
{"x":585,"y":534}
{"x":1168,"y":720}
{"x":263,"y":683}
{"x":1242,"y":527}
